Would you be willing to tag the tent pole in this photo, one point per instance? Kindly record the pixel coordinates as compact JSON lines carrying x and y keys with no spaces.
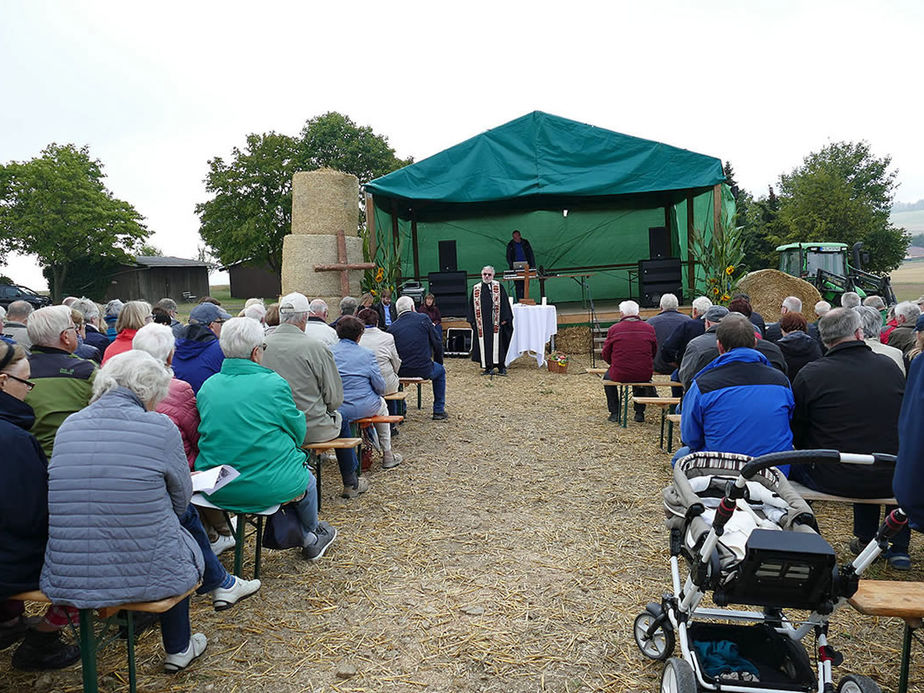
{"x":370,"y":227}
{"x":691,"y":272}
{"x":394,"y":239}
{"x":414,"y":242}
{"x":717,"y":211}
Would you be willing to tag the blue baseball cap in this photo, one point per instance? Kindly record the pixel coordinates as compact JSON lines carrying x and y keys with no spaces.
{"x":919,"y":325}
{"x":207,"y":313}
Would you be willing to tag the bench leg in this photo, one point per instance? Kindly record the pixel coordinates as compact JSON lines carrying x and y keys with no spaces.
{"x":402,"y":403}
{"x":663,"y":417}
{"x":314,"y":460}
{"x":625,"y":405}
{"x":418,"y":395}
{"x":239,"y":533}
{"x":906,"y":660}
{"x":258,"y":556}
{"x":130,"y":646}
{"x":670,"y":436}
{"x":88,"y":651}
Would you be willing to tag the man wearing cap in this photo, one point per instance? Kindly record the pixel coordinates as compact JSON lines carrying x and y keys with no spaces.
{"x":307,"y":364}
{"x":198,"y":354}
{"x":738,"y":402}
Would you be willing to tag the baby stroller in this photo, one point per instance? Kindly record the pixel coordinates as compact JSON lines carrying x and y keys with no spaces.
{"x":751,"y":540}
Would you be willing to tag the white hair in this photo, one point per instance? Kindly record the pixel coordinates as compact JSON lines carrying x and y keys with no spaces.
{"x":255,"y":311}
{"x":2,"y":313}
{"x":793,"y":304}
{"x":155,"y":339}
{"x":850,"y":299}
{"x":404,"y":304}
{"x":907,"y":309}
{"x":821,"y":308}
{"x":875,"y":302}
{"x":19,"y":311}
{"x":871,"y":320}
{"x":669,"y":302}
{"x":136,"y":370}
{"x":87,"y":308}
{"x":490,"y":267}
{"x":838,"y":325}
{"x":701,"y":304}
{"x":317,"y":307}
{"x":628,"y":308}
{"x":46,"y":325}
{"x":239,"y":337}
{"x":253,"y":302}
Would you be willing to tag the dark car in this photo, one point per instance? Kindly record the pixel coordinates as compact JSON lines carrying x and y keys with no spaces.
{"x":14,"y":292}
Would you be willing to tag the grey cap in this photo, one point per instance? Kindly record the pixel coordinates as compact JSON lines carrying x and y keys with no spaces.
{"x":716,"y":313}
{"x":206,"y":313}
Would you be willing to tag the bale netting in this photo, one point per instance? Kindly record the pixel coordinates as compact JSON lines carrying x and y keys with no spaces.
{"x":573,"y":340}
{"x":767,"y":289}
{"x":324,"y":202}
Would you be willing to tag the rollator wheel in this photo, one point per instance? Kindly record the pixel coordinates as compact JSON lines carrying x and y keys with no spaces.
{"x":678,"y":677}
{"x":854,"y":683}
{"x":661,"y":643}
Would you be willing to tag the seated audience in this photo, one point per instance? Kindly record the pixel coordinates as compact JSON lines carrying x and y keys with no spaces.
{"x":432,"y":311}
{"x":382,"y":344}
{"x":111,"y":315}
{"x":871,"y":322}
{"x":908,"y":482}
{"x":271,"y":321}
{"x":366,"y":301}
{"x":91,"y":315}
{"x":918,"y":339}
{"x":317,"y":326}
{"x":63,"y":382}
{"x":630,"y":348}
{"x":675,"y":345}
{"x":850,"y":299}
{"x":14,"y":325}
{"x":3,"y":337}
{"x":664,"y":323}
{"x":739,"y":402}
{"x":791,"y":304}
{"x":421,"y":351}
{"x":386,"y":309}
{"x":307,"y":365}
{"x":83,"y":350}
{"x":902,"y":337}
{"x":363,"y":384}
{"x":198,"y":352}
{"x":348,"y":306}
{"x":133,"y":316}
{"x":849,"y":400}
{"x":168,"y":305}
{"x":797,"y":347}
{"x":756,"y":318}
{"x":138,"y":539}
{"x":249,"y":421}
{"x":255,"y":310}
{"x":24,"y":525}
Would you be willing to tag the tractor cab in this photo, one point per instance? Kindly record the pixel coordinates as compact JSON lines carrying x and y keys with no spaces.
{"x":803,"y":260}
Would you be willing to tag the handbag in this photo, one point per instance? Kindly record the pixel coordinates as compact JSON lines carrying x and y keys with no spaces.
{"x":283,"y":529}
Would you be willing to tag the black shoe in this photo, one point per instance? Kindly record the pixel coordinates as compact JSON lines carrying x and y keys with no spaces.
{"x":440,"y":416}
{"x":394,"y":430}
{"x":488,"y":371}
{"x":615,"y":418}
{"x":12,"y":634}
{"x":502,"y":371}
{"x":640,"y":416}
{"x":41,"y":651}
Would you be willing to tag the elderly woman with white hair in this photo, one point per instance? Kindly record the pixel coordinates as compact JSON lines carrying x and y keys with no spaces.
{"x":249,"y":421}
{"x":118,"y":490}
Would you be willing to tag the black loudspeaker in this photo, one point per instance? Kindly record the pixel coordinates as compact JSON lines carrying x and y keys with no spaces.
{"x":447,"y":257}
{"x":659,"y":277}
{"x":659,"y":243}
{"x":451,"y":292}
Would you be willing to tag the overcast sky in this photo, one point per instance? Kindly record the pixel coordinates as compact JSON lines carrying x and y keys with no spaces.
{"x":156,"y":89}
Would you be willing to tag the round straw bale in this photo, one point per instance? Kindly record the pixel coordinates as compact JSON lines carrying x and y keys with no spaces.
{"x":768,"y":287}
{"x":325,"y":202}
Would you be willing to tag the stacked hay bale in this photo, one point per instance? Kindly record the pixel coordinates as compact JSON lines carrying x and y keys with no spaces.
{"x":767,"y":289}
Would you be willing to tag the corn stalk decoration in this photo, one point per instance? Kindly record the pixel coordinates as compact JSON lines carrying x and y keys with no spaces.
{"x":720,"y":258}
{"x":386,"y":272}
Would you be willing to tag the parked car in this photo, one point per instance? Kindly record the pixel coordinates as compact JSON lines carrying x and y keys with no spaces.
{"x":15,"y":292}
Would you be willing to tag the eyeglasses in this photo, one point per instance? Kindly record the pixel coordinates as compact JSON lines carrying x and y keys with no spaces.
{"x":69,"y":327}
{"x":28,"y":383}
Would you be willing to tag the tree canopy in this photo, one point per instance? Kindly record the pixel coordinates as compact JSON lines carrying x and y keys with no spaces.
{"x":55,"y":206}
{"x":250,"y":211}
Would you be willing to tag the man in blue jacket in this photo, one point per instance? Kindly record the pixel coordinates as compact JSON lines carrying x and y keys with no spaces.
{"x":908,"y":482}
{"x":198,"y":355}
{"x":421,"y":351}
{"x":739,"y":402}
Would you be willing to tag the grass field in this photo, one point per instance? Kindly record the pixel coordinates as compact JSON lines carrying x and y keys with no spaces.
{"x":908,"y":280}
{"x":912,"y":221}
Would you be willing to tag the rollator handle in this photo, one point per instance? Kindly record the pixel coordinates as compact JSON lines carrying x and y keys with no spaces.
{"x":894,"y":523}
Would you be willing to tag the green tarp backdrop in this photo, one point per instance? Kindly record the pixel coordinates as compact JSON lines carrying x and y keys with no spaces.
{"x":583,"y":196}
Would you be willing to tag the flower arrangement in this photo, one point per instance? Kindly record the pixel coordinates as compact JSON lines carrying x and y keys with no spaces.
{"x":557,"y":362}
{"x":720,"y":258}
{"x":385,"y":274}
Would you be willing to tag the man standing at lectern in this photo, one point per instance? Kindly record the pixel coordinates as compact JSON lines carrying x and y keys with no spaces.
{"x":491,"y":318}
{"x":519,"y":250}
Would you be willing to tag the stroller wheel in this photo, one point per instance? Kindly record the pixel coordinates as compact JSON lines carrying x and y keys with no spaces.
{"x":660,"y":644}
{"x":854,"y":683}
{"x":678,"y":677}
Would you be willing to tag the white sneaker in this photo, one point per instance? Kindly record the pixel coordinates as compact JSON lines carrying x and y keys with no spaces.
{"x":391,"y":459}
{"x":225,"y":598}
{"x":179,"y":661}
{"x":222,"y":544}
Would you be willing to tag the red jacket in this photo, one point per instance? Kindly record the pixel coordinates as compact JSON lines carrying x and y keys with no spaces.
{"x":121,"y":344}
{"x":630,"y":348}
{"x":180,"y":407}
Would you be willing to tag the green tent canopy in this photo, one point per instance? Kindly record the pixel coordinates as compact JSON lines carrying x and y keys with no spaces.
{"x":583,"y":196}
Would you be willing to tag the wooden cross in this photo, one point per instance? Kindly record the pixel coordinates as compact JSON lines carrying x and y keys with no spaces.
{"x":343,"y":266}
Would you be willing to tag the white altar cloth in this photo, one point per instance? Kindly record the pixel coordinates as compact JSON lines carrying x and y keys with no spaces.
{"x":533,"y":326}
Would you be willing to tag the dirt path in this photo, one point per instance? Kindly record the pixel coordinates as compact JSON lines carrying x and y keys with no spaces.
{"x":510,"y":552}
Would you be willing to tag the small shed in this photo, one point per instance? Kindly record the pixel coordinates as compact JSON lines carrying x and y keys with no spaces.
{"x":251,"y":278}
{"x":151,"y":278}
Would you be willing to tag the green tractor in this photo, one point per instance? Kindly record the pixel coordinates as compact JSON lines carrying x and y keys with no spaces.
{"x":827,"y":268}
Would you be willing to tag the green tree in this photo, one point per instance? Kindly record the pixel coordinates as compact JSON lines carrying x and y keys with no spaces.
{"x":56,"y":207}
{"x":843,"y":193}
{"x":250,"y":211}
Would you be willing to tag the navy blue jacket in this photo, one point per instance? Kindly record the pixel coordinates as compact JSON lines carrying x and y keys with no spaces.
{"x":738,"y":403}
{"x":23,"y":499}
{"x":198,"y":356}
{"x":673,"y":348}
{"x":908,"y":483}
{"x":416,"y":338}
{"x":664,"y":324}
{"x":97,"y":339}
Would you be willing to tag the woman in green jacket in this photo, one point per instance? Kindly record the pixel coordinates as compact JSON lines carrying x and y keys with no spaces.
{"x":249,"y":422}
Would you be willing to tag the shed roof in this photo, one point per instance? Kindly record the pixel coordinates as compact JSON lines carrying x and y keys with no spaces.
{"x":167,"y":261}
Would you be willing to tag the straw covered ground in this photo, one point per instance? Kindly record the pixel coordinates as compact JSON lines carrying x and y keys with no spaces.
{"x":510,"y":552}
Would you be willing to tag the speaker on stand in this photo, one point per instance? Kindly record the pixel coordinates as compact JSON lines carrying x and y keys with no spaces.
{"x":659,"y":277}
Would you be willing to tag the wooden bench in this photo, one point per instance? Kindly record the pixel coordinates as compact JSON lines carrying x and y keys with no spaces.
{"x":664,"y":403}
{"x":625,"y":390}
{"x":904,"y":600}
{"x":255,"y":519}
{"x":412,"y":381}
{"x":813,"y":495}
{"x":314,"y":451}
{"x":596,"y":371}
{"x":671,"y":420}
{"x":91,"y":643}
{"x":361,"y":424}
